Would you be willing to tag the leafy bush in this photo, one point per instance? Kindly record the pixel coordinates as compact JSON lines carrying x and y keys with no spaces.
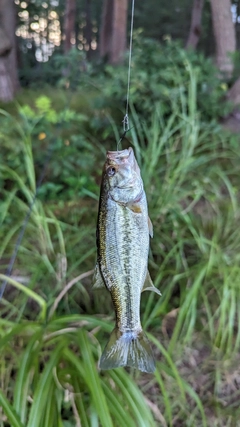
{"x":61,"y":70}
{"x":53,"y":135}
{"x":161,"y":73}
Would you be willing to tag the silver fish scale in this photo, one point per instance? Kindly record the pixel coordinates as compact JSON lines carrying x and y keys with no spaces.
{"x":127,"y":245}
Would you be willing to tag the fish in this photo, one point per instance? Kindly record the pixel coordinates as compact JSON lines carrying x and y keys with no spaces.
{"x":123,"y":234}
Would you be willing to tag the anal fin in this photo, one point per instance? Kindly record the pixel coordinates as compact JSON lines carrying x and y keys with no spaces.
{"x":149,"y":286}
{"x":135,"y":207}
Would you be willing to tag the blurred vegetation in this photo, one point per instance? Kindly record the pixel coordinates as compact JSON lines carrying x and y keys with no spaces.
{"x":172,"y":19}
{"x":160,"y":73}
{"x":52,"y":324}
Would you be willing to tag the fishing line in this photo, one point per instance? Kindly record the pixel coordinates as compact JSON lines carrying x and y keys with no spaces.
{"x":125,"y":121}
{"x":30,"y":208}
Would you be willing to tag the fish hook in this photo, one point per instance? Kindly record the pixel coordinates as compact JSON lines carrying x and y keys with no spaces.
{"x":126,"y":128}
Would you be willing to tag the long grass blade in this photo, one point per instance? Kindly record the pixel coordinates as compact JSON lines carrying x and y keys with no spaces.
{"x":13,"y":418}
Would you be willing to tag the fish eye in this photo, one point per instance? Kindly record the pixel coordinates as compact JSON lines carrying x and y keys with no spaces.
{"x":111,"y":171}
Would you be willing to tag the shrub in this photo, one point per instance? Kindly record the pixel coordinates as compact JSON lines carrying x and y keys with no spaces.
{"x":160,"y":73}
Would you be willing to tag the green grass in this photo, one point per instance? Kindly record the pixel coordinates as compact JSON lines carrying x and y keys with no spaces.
{"x":53,"y":325}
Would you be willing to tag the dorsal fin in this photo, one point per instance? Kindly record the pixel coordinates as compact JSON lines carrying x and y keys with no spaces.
{"x":98,"y":282}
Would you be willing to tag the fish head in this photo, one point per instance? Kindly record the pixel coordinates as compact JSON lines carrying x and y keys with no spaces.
{"x":122,"y":176}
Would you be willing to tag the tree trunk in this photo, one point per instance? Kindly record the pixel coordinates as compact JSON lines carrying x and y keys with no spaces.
{"x":88,"y":28}
{"x":232,"y":121}
{"x":224,"y":33}
{"x":6,"y":84}
{"x":195,"y":28}
{"x":5,"y":43}
{"x":106,"y":29}
{"x":9,"y":82}
{"x":69,"y":24}
{"x":234,"y":93}
{"x":113,"y":30}
{"x":119,"y":36}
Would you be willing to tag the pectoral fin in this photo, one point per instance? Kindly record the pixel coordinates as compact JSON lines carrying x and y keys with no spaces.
{"x":136,"y":208}
{"x":149,"y":286}
{"x":98,"y":282}
{"x":150,"y":227}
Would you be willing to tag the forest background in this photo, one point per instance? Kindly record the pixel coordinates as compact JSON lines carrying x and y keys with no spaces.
{"x":63,"y":88}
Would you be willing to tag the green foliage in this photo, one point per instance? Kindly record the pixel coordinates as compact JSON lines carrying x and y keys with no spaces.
{"x":53,"y":325}
{"x":61,"y":70}
{"x":172,"y":18}
{"x":47,"y":131}
{"x":161,"y":73}
{"x":68,"y":385}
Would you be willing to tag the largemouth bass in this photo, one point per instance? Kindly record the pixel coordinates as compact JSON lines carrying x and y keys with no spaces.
{"x":123,"y":230}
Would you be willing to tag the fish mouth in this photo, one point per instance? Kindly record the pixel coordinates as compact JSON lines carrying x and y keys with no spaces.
{"x":123,"y":157}
{"x":119,"y":155}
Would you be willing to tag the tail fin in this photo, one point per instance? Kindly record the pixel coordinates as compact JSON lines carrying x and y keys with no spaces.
{"x":128,"y":349}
